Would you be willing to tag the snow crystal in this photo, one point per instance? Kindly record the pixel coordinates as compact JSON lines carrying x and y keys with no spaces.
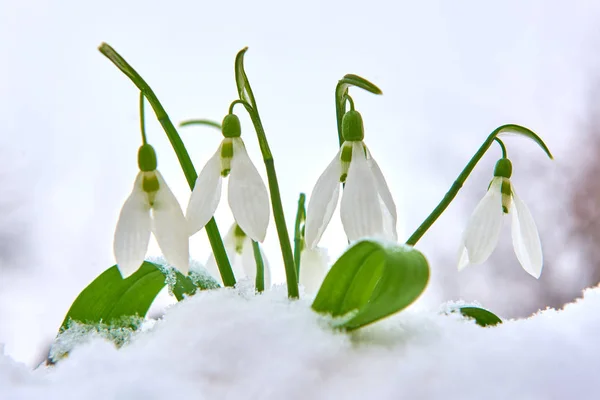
{"x":232,"y":344}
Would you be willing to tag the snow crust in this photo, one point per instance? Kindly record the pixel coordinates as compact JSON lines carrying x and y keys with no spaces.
{"x":230,"y":344}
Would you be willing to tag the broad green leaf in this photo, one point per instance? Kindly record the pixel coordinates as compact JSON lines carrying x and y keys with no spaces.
{"x":110,"y":297}
{"x":371,"y":281}
{"x":521,"y":130}
{"x":241,"y":79}
{"x":481,"y":316}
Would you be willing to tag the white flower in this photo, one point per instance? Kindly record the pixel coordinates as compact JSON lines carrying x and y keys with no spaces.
{"x":248,"y":197}
{"x":151,"y":207}
{"x":241,"y":255}
{"x":483,"y":230}
{"x":367,"y":208}
{"x":313,"y":267}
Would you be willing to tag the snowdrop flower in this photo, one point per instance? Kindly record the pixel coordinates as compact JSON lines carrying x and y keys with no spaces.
{"x":367,"y":207}
{"x":151,"y":207}
{"x":241,"y":254}
{"x":248,"y":198}
{"x":313,"y":267}
{"x":483,"y":230}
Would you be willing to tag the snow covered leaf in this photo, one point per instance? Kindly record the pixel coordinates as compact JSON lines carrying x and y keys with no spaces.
{"x":110,"y":298}
{"x":481,"y":316}
{"x":371,"y":281}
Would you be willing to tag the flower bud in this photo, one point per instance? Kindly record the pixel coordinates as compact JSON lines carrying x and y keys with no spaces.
{"x":352,"y":126}
{"x":503,"y":168}
{"x":147,"y":158}
{"x":231,"y":126}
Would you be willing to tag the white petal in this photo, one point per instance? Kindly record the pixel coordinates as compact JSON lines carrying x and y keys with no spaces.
{"x":206,"y":194}
{"x":133,"y":230}
{"x":229,"y":244}
{"x":248,"y":197}
{"x":322,"y":203}
{"x":483,"y":229}
{"x":249,"y":264}
{"x":526,"y":239}
{"x":463,"y":258}
{"x":390,"y":218}
{"x":170,"y":227}
{"x":313,"y":266}
{"x":360,"y":209}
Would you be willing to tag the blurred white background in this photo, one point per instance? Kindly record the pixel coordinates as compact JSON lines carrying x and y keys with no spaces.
{"x":451,"y":72}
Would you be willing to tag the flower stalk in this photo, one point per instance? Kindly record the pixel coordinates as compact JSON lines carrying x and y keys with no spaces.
{"x":462,"y":177}
{"x":299,"y":231}
{"x":187,"y":166}
{"x":247,"y":99}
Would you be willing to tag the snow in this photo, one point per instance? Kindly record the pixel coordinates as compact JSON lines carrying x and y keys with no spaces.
{"x":231,"y":344}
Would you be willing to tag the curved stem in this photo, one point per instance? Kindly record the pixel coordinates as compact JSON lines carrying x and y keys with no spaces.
{"x":298,"y":236}
{"x":451,"y":194}
{"x":350,"y":101}
{"x":187,"y":166}
{"x":206,"y":122}
{"x":242,"y":102}
{"x":340,"y":110}
{"x":501,"y":143}
{"x":142,"y":119}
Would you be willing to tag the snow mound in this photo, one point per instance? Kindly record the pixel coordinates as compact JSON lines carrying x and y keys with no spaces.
{"x":230,"y":344}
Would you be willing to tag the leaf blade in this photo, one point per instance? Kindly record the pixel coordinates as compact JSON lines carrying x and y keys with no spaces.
{"x":481,"y":316}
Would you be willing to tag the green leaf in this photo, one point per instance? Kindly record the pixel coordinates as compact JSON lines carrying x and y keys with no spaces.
{"x":241,"y":80}
{"x":481,"y":316}
{"x":109,"y":297}
{"x":521,"y":130}
{"x":181,"y":285}
{"x":115,"y":307}
{"x":371,"y":281}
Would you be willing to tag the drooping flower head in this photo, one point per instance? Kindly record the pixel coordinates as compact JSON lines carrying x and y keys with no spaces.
{"x":151,"y":207}
{"x":483,"y":230}
{"x":367,"y":209}
{"x":241,"y":254}
{"x":313,"y":268}
{"x":247,"y":193}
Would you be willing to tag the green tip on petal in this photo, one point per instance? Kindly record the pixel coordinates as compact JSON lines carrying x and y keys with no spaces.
{"x":147,"y":158}
{"x":238,"y":232}
{"x":150,"y":183}
{"x":503,"y":168}
{"x":231,"y":126}
{"x":352,"y":126}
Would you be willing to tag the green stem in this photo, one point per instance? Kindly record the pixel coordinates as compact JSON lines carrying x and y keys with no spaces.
{"x":282,"y":232}
{"x":451,"y":194}
{"x":260,"y":268}
{"x":187,"y":166}
{"x":340,"y":110}
{"x":502,"y":146}
{"x":142,"y":119}
{"x":207,"y":122}
{"x":298,"y":236}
